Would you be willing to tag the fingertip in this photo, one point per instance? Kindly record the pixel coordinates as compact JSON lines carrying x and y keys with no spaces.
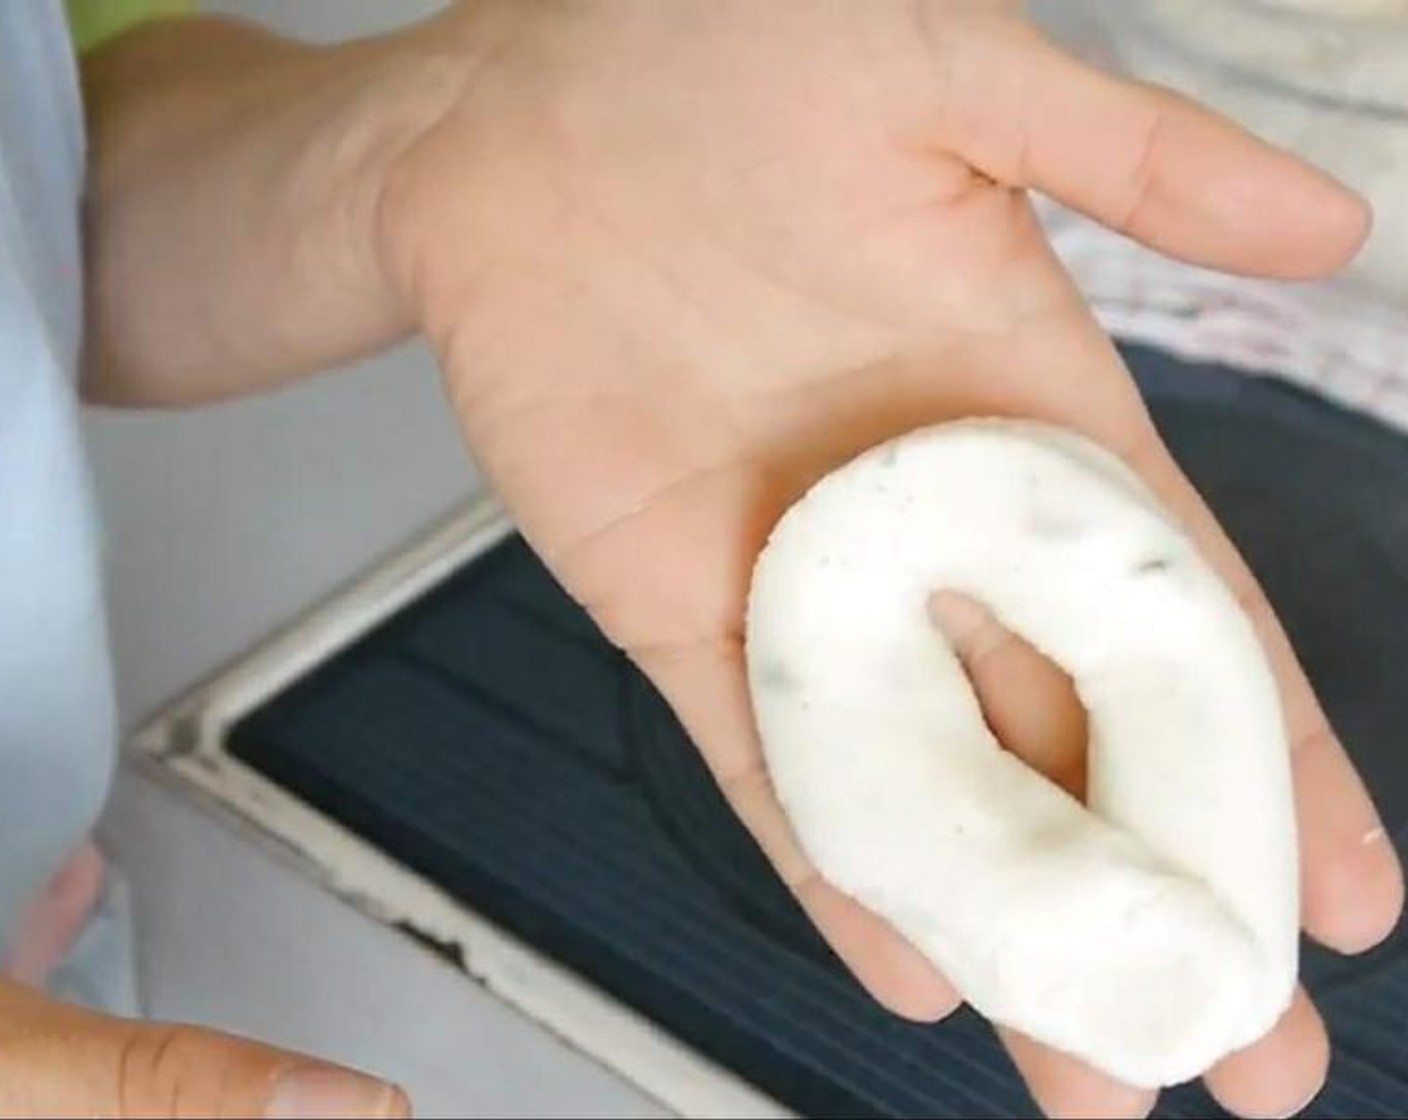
{"x":1063,"y":1086}
{"x":1352,"y":890}
{"x":1157,"y":166}
{"x":1132,"y":1104}
{"x":1326,"y":224}
{"x":1382,"y":872}
{"x":305,"y":1092}
{"x":959,"y":618}
{"x":1350,"y":219}
{"x":1028,"y":701}
{"x":925,"y":1005}
{"x":1282,"y":1073}
{"x":1355,"y":905}
{"x":1239,"y":203}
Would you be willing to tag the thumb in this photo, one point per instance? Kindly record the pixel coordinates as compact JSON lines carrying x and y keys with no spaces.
{"x":1149,"y":163}
{"x":58,"y":1060}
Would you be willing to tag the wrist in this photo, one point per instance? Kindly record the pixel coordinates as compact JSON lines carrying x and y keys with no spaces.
{"x":256,"y":179}
{"x":432,"y":180}
{"x":382,"y":97}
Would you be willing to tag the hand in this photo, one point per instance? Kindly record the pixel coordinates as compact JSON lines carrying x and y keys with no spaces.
{"x":57,"y":1060}
{"x":679,"y":260}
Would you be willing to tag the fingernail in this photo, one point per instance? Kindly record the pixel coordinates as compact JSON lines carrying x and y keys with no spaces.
{"x":957,"y":616}
{"x":317,"y":1092}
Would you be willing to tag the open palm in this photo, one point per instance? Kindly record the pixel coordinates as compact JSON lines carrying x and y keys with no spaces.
{"x":680,"y":260}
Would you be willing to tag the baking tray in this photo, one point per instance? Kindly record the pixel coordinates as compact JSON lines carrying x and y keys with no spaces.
{"x":1310,"y":492}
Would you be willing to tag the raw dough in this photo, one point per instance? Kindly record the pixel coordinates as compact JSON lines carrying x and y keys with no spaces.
{"x":1150,"y":934}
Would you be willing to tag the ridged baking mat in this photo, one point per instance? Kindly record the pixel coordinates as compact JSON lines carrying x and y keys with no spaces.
{"x":489,"y":738}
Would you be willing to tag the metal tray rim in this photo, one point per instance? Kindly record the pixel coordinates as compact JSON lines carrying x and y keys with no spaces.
{"x":182,"y":745}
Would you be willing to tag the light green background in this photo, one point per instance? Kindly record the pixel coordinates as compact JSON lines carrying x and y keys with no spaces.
{"x":95,"y":21}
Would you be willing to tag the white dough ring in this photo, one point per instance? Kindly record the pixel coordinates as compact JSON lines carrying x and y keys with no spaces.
{"x":1150,"y":934}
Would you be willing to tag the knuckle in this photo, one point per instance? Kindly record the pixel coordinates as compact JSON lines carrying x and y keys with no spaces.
{"x":986,"y":645}
{"x":1316,"y":736}
{"x":170,"y":1070}
{"x":1138,"y":184}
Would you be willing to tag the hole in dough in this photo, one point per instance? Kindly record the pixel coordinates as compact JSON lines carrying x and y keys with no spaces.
{"x":1150,"y":927}
{"x":1028,"y":701}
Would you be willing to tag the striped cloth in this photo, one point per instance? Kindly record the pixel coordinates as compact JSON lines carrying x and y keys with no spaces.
{"x":1331,"y":337}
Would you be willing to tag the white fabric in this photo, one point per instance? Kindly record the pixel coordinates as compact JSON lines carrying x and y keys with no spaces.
{"x":1333,"y":337}
{"x":56,"y":703}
